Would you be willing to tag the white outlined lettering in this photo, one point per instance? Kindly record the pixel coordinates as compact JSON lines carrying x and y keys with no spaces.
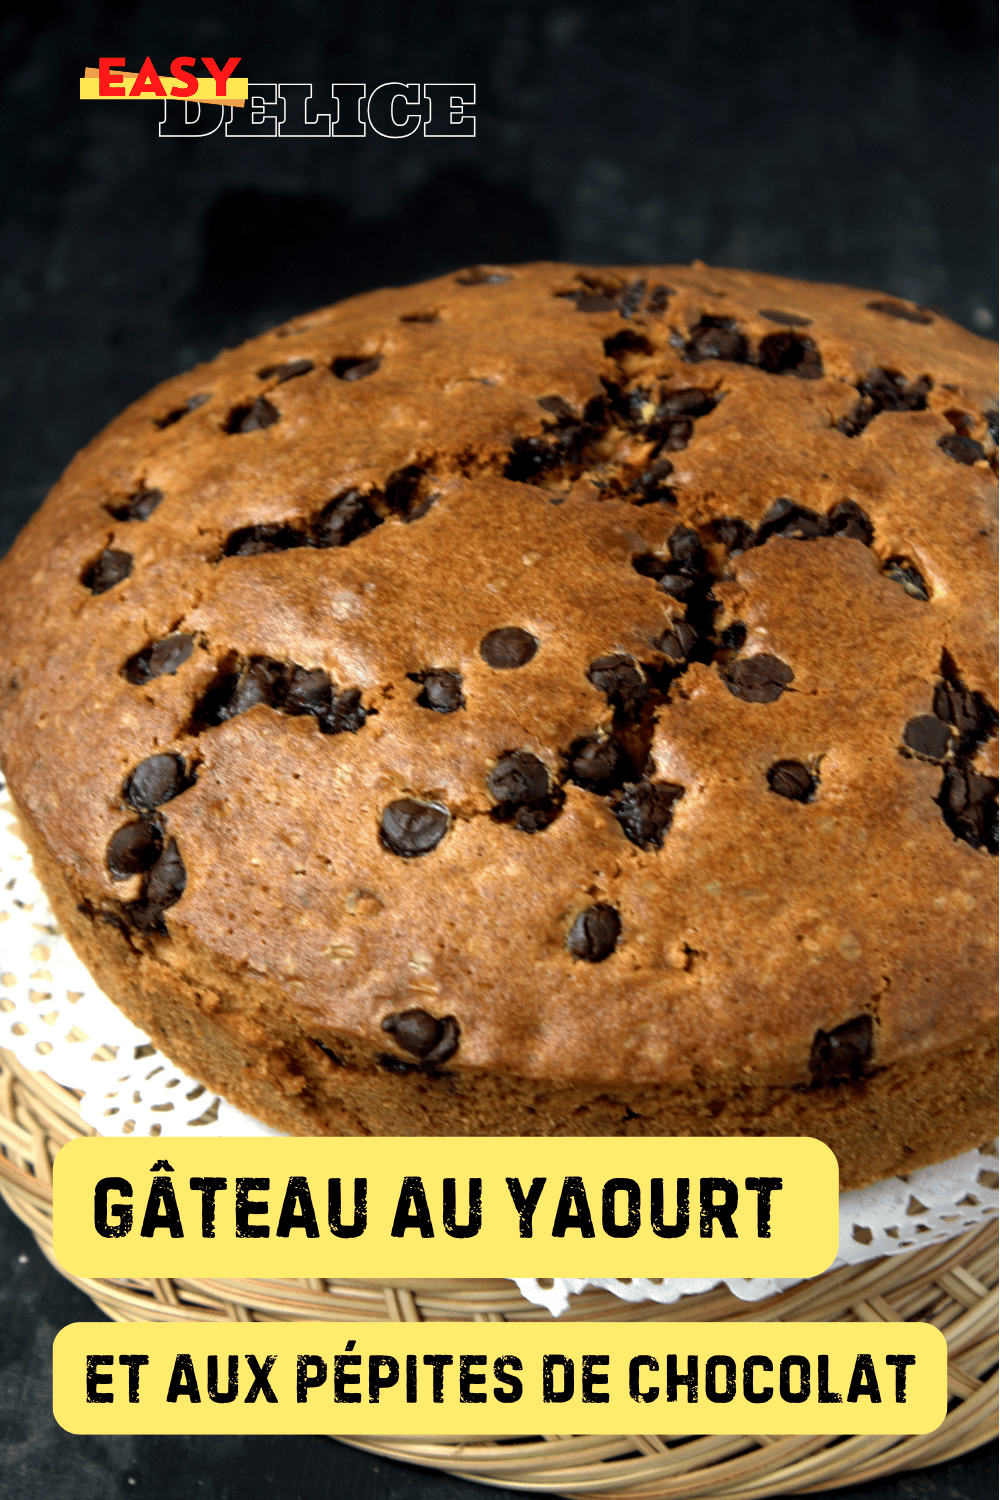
{"x":262,"y":114}
{"x":383,"y":113}
{"x":447,"y":113}
{"x":297,"y":124}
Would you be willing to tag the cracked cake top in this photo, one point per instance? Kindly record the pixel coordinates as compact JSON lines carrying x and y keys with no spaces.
{"x":569,"y":673}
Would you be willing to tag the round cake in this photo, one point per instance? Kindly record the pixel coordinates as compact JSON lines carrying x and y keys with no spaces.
{"x":539,"y":701}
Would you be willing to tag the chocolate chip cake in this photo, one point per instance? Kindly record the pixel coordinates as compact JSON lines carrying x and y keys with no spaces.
{"x":539,"y":701}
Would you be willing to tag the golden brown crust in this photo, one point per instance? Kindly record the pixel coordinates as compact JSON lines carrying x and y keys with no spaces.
{"x":761,"y":922}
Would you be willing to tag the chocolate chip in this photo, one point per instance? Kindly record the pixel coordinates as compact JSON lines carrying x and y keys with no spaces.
{"x":564,"y":447}
{"x":678,"y":642}
{"x":167,"y":878}
{"x":482,"y":276}
{"x":259,"y":682}
{"x":632,"y":407}
{"x":308,"y":691}
{"x":790,"y":354}
{"x":396,"y":1065}
{"x":235,"y":692}
{"x":627,"y":342}
{"x":651,"y":566}
{"x":651,"y":486}
{"x":928,"y":736}
{"x":404,"y":493}
{"x":964,"y":450}
{"x":791,"y":779}
{"x":156,"y":780}
{"x":621,"y":681}
{"x":420,"y":317}
{"x":645,"y":811}
{"x":287,"y":371}
{"x":890,"y":391}
{"x":442,"y":692}
{"x":557,"y":407}
{"x":734,"y":534}
{"x":992,"y":420}
{"x":356,"y":367}
{"x":716,"y":338}
{"x":968,"y":802}
{"x":791,"y":320}
{"x":796,"y":522}
{"x":679,"y":586}
{"x":530,"y":457}
{"x":192,"y":404}
{"x":346,"y":715}
{"x":533,"y":817}
{"x":161,"y":658}
{"x":411,"y":828}
{"x":596,"y":764}
{"x":630,"y":300}
{"x":594,"y":934}
{"x":673,"y":436}
{"x":133,"y":849}
{"x":107,"y":570}
{"x":252,"y":418}
{"x":689,"y":402}
{"x":139,"y":506}
{"x":849,"y":520}
{"x":519,"y":783}
{"x":252,"y":541}
{"x":508,"y":647}
{"x":344,"y":519}
{"x":682,"y":576}
{"x":734,"y":636}
{"x":415,"y":1030}
{"x":420,"y":1033}
{"x":893,"y":308}
{"x":658,"y":298}
{"x":972,"y":716}
{"x":903,"y":572}
{"x":686,"y":548}
{"x":211,"y":708}
{"x":884,"y":390}
{"x":447,"y":1042}
{"x":757,"y":679}
{"x":518,"y":777}
{"x":843,"y":1053}
{"x":145,"y":916}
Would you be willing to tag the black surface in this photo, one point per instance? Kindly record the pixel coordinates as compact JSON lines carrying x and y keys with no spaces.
{"x":38,"y":1461}
{"x":841,"y":140}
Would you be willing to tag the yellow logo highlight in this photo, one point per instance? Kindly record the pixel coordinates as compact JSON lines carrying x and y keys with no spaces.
{"x":110,"y":81}
{"x":446,"y":1207}
{"x":500,"y":1378}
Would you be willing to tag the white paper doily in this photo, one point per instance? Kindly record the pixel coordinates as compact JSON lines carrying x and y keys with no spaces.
{"x":54,"y":1018}
{"x":924,"y":1208}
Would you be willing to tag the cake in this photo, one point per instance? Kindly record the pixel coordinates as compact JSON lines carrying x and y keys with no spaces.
{"x":539,"y":701}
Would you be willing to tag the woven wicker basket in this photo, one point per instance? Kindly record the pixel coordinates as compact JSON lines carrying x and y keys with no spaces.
{"x":953,"y":1286}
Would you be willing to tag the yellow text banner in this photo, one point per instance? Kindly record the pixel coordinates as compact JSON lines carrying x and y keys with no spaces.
{"x":498,"y":1206}
{"x":160,"y":86}
{"x":479,"y":1378}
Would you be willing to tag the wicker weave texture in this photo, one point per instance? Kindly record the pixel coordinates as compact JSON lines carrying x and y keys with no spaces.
{"x":953,"y":1286}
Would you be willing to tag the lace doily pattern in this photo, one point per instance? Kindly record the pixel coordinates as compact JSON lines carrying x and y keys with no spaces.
{"x":925,"y":1208}
{"x":54,"y":1018}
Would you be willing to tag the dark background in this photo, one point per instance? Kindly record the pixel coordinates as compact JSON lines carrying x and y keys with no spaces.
{"x":839,"y":140}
